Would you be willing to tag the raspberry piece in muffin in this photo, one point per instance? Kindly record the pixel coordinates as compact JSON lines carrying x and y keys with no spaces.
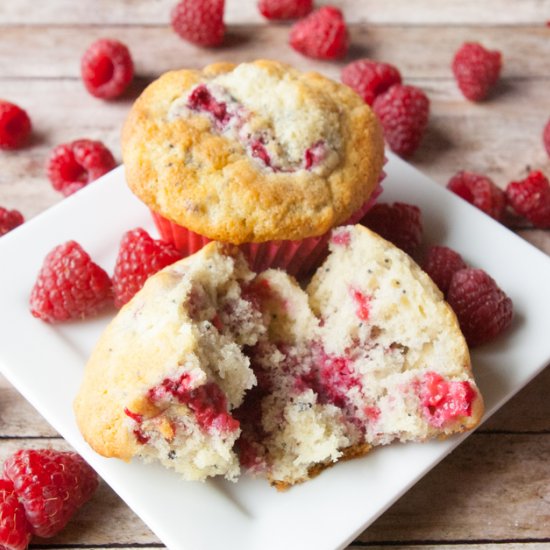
{"x":530,"y":197}
{"x":476,"y":70}
{"x":15,"y":125}
{"x":74,"y":165}
{"x":443,"y":400}
{"x":323,"y":34}
{"x":199,"y":21}
{"x":370,"y":78}
{"x":403,"y":112}
{"x":107,"y":68}
{"x":480,"y":191}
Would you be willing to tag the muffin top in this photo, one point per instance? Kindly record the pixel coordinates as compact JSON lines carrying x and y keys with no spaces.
{"x":252,"y":152}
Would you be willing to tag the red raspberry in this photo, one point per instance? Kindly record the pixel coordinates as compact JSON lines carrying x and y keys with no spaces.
{"x":370,"y":78}
{"x":322,"y":34}
{"x":285,"y":9}
{"x":476,"y":70}
{"x":480,"y":191}
{"x":51,"y":486}
{"x":444,"y":400}
{"x":72,"y":166}
{"x":9,"y":219}
{"x":107,"y":68}
{"x":441,"y":263}
{"x":403,"y":112}
{"x":398,"y":223}
{"x":546,"y":137}
{"x":199,"y":21}
{"x":15,"y":531}
{"x":69,"y":285}
{"x":139,"y":257}
{"x":483,"y":310}
{"x":531,"y":198}
{"x":15,"y":125}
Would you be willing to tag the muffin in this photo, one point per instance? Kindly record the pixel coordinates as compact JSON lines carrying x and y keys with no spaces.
{"x":162,"y":381}
{"x":251,"y":153}
{"x":212,"y":369}
{"x":368,"y":355}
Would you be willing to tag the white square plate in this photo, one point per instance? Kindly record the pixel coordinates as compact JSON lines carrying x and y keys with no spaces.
{"x":45,"y":364}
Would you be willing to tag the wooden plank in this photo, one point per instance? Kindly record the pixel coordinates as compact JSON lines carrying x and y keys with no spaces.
{"x":493,"y":487}
{"x":528,"y":411}
{"x":18,"y":418}
{"x":132,"y":12}
{"x":419,"y":51}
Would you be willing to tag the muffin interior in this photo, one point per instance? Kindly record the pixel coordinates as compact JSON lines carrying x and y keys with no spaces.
{"x":283,"y":381}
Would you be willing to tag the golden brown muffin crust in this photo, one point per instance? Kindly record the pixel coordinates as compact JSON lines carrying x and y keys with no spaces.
{"x":183,"y":168}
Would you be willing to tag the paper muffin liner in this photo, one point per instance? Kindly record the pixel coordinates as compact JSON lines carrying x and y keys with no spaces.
{"x":299,"y":258}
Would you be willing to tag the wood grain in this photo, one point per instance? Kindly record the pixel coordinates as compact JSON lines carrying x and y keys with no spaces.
{"x":145,"y":12}
{"x":420,"y":51}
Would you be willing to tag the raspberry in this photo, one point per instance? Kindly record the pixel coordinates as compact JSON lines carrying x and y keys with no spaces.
{"x":370,"y":78}
{"x":9,"y":219}
{"x":362,"y":304}
{"x":398,"y":223}
{"x":443,"y":400}
{"x":331,"y":381}
{"x":72,"y":166}
{"x":69,"y":285}
{"x":480,"y":191}
{"x":322,"y":34}
{"x":285,"y":9}
{"x":51,"y":486}
{"x":546,"y":137}
{"x":199,"y":21}
{"x":483,"y":310}
{"x":441,"y":263}
{"x":208,"y":402}
{"x":531,"y":198}
{"x":201,"y":100}
{"x":476,"y":70}
{"x":139,"y":257}
{"x":107,"y":68}
{"x":403,"y":112}
{"x":15,"y":531}
{"x":15,"y":125}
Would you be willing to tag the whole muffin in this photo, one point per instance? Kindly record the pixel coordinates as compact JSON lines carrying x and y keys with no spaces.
{"x":252,"y":152}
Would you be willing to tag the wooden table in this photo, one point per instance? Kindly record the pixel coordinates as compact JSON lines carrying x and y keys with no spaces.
{"x":495,"y":488}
